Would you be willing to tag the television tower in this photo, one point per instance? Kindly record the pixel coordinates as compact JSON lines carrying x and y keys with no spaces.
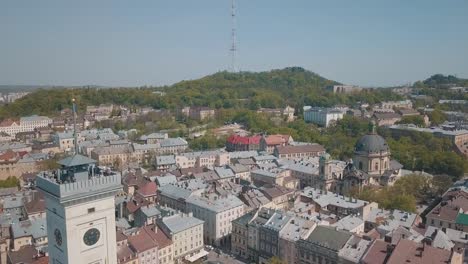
{"x":233,"y":49}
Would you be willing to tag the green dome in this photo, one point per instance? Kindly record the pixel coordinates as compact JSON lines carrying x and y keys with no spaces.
{"x":371,"y":143}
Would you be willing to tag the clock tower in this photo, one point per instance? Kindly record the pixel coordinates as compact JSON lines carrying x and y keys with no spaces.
{"x":80,"y":212}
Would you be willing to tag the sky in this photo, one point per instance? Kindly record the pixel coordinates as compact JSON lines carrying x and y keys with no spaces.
{"x":154,"y":42}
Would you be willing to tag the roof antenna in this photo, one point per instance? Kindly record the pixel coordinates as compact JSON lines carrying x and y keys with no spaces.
{"x":75,"y":135}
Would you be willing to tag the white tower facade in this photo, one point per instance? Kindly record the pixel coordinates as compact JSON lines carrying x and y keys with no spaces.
{"x":80,"y":213}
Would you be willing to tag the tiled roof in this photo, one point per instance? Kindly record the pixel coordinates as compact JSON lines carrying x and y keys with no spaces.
{"x":36,"y":205}
{"x":236,"y":139}
{"x":272,"y":140}
{"x":27,"y":255}
{"x":148,"y":189}
{"x":142,"y":242}
{"x":377,"y":253}
{"x":407,"y":251}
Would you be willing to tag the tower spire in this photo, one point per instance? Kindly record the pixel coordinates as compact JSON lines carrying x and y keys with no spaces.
{"x":75,"y":134}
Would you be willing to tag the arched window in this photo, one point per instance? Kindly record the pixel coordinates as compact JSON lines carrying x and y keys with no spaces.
{"x":322,"y":170}
{"x":376,"y":166}
{"x":360,"y":165}
{"x":385,"y":165}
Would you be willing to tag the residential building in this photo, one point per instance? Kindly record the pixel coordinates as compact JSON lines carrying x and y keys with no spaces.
{"x":269,"y":236}
{"x":336,"y":204}
{"x":186,"y":233}
{"x":386,"y":118}
{"x":396,"y":104}
{"x":268,"y":143}
{"x":172,"y":146}
{"x":239,"y":236}
{"x":323,"y":245}
{"x":296,"y":228}
{"x":217,"y":214}
{"x":110,"y":156}
{"x":24,"y":124}
{"x":242,"y":143}
{"x":298,"y":151}
{"x":344,"y":89}
{"x":322,"y":116}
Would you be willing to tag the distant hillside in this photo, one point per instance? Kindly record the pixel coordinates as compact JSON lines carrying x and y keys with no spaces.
{"x":19,"y":88}
{"x":293,"y":86}
{"x":441,"y":81}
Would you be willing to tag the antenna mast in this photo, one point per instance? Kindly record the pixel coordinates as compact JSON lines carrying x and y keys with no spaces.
{"x":233,"y":49}
{"x":75,"y":135}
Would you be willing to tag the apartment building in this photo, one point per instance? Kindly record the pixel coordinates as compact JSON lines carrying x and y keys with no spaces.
{"x":217,"y":212}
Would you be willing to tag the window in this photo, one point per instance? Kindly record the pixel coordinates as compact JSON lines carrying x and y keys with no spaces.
{"x":360,"y":165}
{"x":91,"y":210}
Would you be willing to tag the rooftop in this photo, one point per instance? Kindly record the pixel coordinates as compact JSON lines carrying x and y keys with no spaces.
{"x":214,"y":204}
{"x":180,"y":222}
{"x":329,"y":237}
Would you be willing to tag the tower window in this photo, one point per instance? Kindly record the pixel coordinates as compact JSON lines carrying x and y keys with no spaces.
{"x":91,"y":210}
{"x":360,"y":165}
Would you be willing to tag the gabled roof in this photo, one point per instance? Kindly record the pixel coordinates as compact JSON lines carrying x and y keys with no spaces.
{"x":76,"y":160}
{"x":236,"y":139}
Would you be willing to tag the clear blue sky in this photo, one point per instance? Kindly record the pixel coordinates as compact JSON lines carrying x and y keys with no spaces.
{"x":153,"y":42}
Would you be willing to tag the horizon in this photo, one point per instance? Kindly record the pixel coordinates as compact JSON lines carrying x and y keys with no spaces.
{"x":154,"y":43}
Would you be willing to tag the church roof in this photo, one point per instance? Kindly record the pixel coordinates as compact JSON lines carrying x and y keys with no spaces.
{"x":371,"y":143}
{"x":75,"y":160}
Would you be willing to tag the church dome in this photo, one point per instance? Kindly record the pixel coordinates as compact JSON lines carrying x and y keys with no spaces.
{"x":371,"y":143}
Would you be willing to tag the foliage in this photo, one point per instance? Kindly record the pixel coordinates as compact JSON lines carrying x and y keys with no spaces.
{"x":437,"y":117}
{"x":406,"y":193}
{"x":206,"y":142}
{"x":416,"y":120}
{"x":245,"y":90}
{"x":9,"y":182}
{"x":441,"y":81}
{"x":425,"y":152}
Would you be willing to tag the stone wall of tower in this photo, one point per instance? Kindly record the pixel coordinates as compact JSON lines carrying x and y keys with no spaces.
{"x":73,"y":221}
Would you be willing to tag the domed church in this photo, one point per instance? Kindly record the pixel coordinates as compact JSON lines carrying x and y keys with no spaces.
{"x":371,"y":165}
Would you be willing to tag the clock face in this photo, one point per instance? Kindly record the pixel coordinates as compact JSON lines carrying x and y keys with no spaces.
{"x":91,"y":236}
{"x":58,"y":237}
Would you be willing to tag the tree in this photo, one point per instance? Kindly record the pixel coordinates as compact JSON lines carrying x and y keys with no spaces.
{"x":9,"y":182}
{"x":415,"y":120}
{"x":437,"y":117}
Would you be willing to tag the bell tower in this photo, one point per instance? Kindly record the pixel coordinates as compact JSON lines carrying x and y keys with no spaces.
{"x":80,"y":212}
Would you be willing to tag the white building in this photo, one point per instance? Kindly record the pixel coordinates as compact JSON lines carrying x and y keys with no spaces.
{"x":322,"y":116}
{"x":218,"y":213}
{"x":24,"y":124}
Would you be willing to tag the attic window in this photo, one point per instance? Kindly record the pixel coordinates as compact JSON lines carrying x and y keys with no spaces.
{"x":91,"y":210}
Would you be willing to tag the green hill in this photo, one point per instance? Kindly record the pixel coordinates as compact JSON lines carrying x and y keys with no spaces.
{"x":441,"y":81}
{"x":293,"y":86}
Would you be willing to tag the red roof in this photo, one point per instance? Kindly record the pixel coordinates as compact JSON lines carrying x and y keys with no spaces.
{"x":8,"y":155}
{"x":276,"y":139}
{"x":236,"y":139}
{"x":8,"y":122}
{"x":148,"y":189}
{"x":141,"y":242}
{"x":158,"y":236}
{"x":377,"y":253}
{"x":407,"y":251}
